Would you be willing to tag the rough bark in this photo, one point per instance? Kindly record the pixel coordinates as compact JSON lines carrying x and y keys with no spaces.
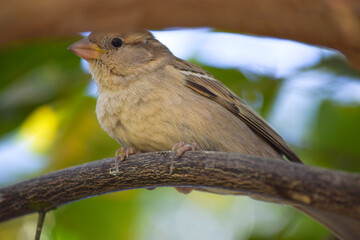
{"x":271,"y":180}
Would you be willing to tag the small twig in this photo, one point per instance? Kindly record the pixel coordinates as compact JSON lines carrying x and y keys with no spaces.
{"x":40,"y":224}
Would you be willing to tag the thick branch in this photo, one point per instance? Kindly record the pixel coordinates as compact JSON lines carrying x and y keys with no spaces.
{"x":329,"y":23}
{"x":271,"y":180}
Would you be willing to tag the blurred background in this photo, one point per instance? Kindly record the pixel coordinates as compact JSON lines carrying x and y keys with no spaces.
{"x":48,"y":122}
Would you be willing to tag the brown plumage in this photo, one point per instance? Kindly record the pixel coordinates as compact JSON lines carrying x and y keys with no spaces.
{"x":150,"y":100}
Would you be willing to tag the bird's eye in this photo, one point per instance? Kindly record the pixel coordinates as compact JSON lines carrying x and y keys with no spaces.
{"x":116,"y":42}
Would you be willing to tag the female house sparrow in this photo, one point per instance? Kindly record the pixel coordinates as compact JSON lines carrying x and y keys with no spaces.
{"x":150,"y":100}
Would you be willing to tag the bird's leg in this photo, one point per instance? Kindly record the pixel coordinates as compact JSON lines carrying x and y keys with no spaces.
{"x":122,"y":153}
{"x":180,"y":148}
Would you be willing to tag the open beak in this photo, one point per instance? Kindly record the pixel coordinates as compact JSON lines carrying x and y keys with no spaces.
{"x":86,"y":49}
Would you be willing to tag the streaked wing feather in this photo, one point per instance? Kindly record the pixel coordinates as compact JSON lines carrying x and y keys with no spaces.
{"x":208,"y":86}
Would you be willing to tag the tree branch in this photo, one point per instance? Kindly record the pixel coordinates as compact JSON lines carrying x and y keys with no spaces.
{"x":329,"y":23}
{"x":270,"y":180}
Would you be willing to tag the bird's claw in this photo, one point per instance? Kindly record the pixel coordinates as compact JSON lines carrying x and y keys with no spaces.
{"x":180,"y":148}
{"x":122,"y":153}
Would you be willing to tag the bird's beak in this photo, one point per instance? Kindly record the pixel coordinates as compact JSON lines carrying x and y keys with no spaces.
{"x":86,"y":49}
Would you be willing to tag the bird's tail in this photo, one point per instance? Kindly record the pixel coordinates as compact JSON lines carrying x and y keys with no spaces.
{"x":342,"y":226}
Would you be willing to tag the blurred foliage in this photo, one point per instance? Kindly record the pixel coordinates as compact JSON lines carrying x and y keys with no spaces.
{"x":335,"y":136}
{"x":35,"y":74}
{"x":97,"y":218}
{"x":43,"y":99}
{"x":335,"y":64}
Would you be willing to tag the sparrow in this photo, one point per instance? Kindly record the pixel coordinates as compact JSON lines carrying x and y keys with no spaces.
{"x":150,"y":100}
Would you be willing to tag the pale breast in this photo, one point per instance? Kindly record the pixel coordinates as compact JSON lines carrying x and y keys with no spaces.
{"x":108,"y":109}
{"x":139,"y":115}
{"x":153,"y":114}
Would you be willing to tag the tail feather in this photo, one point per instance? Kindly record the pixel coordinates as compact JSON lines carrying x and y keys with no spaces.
{"x":342,"y":226}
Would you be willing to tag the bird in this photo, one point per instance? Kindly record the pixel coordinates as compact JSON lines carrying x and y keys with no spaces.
{"x":150,"y":100}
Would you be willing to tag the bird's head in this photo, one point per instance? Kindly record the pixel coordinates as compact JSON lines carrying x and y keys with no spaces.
{"x":114,"y":57}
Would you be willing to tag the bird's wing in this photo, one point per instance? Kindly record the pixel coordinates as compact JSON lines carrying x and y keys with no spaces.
{"x":208,"y":86}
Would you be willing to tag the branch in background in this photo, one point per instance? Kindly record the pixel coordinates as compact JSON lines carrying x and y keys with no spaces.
{"x":270,"y":180}
{"x":334,"y":24}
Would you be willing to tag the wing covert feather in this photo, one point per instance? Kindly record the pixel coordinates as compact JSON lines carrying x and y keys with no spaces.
{"x":208,"y":86}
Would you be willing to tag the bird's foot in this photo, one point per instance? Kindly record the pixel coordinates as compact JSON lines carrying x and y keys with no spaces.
{"x":122,"y":153}
{"x":180,"y":148}
{"x":184,"y":190}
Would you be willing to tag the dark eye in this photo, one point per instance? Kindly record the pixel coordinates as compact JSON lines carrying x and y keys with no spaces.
{"x":116,"y":42}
